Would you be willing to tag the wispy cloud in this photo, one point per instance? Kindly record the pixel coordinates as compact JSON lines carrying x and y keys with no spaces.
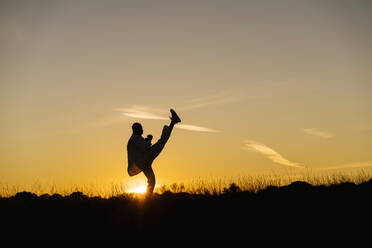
{"x":222,"y":97}
{"x":318,"y":133}
{"x":142,"y":112}
{"x":349,"y":165}
{"x":209,"y":100}
{"x":270,"y":153}
{"x":196,"y":128}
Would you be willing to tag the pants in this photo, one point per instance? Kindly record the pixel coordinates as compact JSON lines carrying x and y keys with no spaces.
{"x":150,"y":156}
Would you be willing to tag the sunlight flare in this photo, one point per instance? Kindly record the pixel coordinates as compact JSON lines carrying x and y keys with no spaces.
{"x":138,"y":190}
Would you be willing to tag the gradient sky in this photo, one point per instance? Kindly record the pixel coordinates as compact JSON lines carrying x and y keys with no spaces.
{"x":261,"y":86}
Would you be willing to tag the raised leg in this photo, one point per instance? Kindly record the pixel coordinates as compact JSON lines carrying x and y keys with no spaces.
{"x":156,"y":148}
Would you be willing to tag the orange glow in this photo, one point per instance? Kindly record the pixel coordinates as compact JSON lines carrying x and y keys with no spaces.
{"x":138,"y":190}
{"x":254,"y":97}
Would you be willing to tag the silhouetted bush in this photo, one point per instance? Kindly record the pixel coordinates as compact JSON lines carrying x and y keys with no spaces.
{"x":56,"y":197}
{"x":44,"y":196}
{"x":77,"y":196}
{"x":233,"y":188}
{"x":25,"y":196}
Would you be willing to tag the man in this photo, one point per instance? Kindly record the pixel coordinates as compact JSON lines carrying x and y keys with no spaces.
{"x":141,"y":153}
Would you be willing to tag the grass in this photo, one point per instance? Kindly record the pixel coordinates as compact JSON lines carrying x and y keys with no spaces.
{"x":247,"y":207}
{"x":254,"y":183}
{"x":207,"y":186}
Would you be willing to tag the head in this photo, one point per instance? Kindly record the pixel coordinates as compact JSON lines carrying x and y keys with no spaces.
{"x":137,"y":128}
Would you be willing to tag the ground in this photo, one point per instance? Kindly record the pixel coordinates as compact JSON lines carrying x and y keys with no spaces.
{"x":295,"y":210}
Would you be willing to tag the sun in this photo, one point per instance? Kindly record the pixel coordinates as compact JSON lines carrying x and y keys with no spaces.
{"x":141,"y":189}
{"x":138,"y":190}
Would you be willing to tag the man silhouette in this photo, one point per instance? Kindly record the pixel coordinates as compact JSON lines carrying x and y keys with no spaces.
{"x":141,"y":153}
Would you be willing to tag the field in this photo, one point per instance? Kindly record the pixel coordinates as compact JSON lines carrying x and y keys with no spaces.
{"x":246,"y":209}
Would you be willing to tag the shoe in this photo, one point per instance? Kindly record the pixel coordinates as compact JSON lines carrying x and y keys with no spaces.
{"x":174,"y":117}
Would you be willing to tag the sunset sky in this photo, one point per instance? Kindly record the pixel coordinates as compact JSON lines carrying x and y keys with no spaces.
{"x":261,"y":86}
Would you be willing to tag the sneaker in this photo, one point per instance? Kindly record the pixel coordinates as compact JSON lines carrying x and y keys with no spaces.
{"x":174,"y":117}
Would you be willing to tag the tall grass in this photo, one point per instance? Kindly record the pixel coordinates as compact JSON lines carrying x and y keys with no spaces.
{"x":209,"y":185}
{"x":91,"y":190}
{"x":254,"y":183}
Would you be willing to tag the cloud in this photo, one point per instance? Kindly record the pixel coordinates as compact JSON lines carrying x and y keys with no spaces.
{"x":223,"y":97}
{"x":144,"y":115}
{"x":196,"y":128}
{"x":350,"y":165}
{"x":142,"y":112}
{"x":215,"y":99}
{"x":318,"y":133}
{"x":270,"y":153}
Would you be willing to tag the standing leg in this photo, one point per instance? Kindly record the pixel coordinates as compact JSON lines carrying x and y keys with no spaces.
{"x":149,"y":173}
{"x":153,"y":153}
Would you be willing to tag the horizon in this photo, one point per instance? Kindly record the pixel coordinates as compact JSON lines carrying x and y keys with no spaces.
{"x":261,"y":87}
